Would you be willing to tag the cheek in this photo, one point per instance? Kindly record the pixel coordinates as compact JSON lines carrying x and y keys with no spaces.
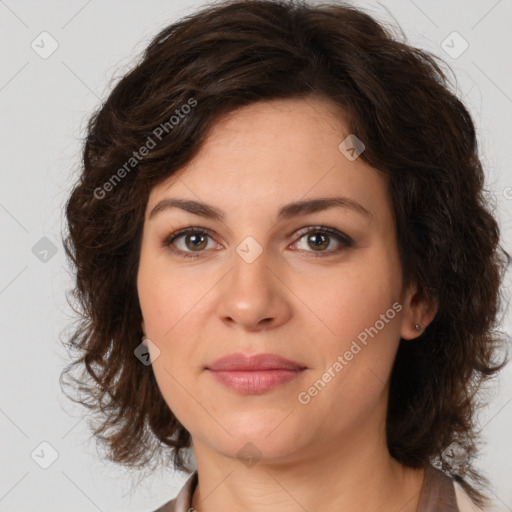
{"x":363,"y":316}
{"x":357,"y":363}
{"x":166,"y":325}
{"x":164,"y":296}
{"x":353,"y":299}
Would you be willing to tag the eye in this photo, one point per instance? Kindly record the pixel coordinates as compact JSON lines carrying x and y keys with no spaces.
{"x":195,"y":241}
{"x":193,"y":238}
{"x":319,"y":238}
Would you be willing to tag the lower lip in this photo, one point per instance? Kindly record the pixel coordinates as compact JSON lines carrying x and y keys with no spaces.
{"x":254,"y":382}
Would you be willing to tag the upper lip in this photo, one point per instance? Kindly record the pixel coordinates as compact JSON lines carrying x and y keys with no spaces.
{"x":255,"y":362}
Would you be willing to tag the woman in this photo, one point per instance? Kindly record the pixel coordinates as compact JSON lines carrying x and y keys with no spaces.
{"x":287,"y":266}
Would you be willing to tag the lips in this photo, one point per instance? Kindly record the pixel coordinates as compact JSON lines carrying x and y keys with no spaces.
{"x":254,"y":374}
{"x":241,"y":362}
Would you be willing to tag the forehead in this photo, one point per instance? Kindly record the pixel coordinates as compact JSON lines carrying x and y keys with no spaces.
{"x":275,"y":152}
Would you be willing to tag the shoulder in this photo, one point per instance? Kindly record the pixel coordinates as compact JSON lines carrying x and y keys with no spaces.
{"x":441,"y":491}
{"x":465,"y":504}
{"x":182,"y":502}
{"x":170,"y":506}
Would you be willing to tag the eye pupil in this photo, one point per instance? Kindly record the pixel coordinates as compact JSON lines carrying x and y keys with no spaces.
{"x":322,"y":244}
{"x":196,"y":237}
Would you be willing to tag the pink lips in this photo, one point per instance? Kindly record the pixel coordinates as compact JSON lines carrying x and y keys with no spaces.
{"x":254,"y":374}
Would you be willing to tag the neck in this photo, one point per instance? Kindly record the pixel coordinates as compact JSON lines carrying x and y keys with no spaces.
{"x":356,"y":475}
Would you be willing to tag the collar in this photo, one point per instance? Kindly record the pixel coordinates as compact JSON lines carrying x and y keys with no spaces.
{"x":183,"y":501}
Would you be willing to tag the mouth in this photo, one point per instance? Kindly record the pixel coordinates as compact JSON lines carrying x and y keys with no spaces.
{"x":255,"y":382}
{"x":254,"y":374}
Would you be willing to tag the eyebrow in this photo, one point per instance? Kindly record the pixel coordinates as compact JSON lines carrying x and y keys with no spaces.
{"x":285,"y":212}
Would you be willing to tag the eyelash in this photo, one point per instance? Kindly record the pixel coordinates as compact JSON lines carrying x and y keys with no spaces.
{"x":345,"y":240}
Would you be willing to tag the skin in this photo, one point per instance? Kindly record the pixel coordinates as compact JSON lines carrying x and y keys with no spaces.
{"x":328,"y":454}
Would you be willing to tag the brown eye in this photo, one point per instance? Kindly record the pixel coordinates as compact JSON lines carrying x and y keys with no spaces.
{"x":193,"y":240}
{"x":319,"y":238}
{"x":197,"y":241}
{"x":318,"y":241}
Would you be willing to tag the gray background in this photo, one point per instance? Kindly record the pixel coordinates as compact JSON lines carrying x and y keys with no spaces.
{"x":44,"y":105}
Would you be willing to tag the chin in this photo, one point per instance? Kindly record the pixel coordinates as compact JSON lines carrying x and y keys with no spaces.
{"x":256,"y":444}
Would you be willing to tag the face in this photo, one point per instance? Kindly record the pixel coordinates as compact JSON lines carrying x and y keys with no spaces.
{"x":320,"y":286}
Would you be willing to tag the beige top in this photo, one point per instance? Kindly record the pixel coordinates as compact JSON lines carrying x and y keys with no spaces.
{"x":440,"y":493}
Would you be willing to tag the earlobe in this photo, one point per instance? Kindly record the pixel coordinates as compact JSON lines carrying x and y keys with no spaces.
{"x":419,"y":311}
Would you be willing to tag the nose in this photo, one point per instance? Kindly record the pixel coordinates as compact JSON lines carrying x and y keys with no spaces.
{"x":253,"y":295}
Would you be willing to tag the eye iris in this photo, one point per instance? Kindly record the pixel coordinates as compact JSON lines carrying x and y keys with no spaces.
{"x":323,"y":244}
{"x":195,"y":237}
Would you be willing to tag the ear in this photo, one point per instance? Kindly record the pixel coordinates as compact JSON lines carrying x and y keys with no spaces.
{"x":143,"y":328}
{"x":417,"y":309}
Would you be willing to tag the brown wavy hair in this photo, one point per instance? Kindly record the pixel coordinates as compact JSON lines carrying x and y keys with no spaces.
{"x":399,"y":102}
